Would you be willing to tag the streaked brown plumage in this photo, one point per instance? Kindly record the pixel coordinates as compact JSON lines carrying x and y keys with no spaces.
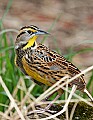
{"x":49,"y":65}
{"x":40,"y":63}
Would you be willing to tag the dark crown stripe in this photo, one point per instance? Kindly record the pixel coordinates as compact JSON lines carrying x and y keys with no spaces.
{"x":20,"y":34}
{"x":31,"y":26}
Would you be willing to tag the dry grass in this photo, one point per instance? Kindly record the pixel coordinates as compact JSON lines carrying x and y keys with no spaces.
{"x":29,"y":101}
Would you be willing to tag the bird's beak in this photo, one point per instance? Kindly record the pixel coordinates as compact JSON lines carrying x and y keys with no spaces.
{"x":41,"y":32}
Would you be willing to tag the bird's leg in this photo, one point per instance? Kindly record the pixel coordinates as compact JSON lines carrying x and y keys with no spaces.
{"x":46,"y":100}
{"x":69,"y":98}
{"x":49,"y":96}
{"x":60,"y":92}
{"x":51,"y":103}
{"x":74,"y":87}
{"x":41,"y":110}
{"x":64,"y":108}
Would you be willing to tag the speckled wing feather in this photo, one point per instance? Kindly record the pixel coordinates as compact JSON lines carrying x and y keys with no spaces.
{"x":51,"y":66}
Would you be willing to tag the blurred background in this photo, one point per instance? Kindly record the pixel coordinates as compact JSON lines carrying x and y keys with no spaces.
{"x":70,"y":23}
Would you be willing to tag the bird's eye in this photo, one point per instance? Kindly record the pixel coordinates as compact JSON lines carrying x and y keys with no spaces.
{"x":29,"y":31}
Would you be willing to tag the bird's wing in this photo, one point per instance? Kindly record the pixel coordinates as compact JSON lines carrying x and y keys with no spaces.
{"x":49,"y":67}
{"x":60,"y":66}
{"x":55,"y":61}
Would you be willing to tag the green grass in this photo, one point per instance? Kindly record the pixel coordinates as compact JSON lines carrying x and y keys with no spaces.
{"x":11,"y":74}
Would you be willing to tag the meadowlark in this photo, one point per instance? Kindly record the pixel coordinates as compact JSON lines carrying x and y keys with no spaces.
{"x":42,"y":64}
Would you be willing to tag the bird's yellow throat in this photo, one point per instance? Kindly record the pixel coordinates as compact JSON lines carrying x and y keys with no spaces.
{"x":30,"y":42}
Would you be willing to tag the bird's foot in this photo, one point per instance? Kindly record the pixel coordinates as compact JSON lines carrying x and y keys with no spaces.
{"x":41,"y":111}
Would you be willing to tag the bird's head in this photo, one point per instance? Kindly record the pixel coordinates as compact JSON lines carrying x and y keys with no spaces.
{"x":27,"y":37}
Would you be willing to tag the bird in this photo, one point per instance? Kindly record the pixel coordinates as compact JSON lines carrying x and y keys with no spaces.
{"x":43,"y":65}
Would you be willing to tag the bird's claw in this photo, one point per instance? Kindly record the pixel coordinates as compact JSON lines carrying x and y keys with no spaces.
{"x":41,"y":110}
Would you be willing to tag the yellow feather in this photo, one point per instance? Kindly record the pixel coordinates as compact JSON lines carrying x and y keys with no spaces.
{"x":15,"y":60}
{"x":34,"y":74}
{"x":30,"y":42}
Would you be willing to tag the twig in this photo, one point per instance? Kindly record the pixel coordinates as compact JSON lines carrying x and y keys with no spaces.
{"x":8,"y":30}
{"x":11,"y":99}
